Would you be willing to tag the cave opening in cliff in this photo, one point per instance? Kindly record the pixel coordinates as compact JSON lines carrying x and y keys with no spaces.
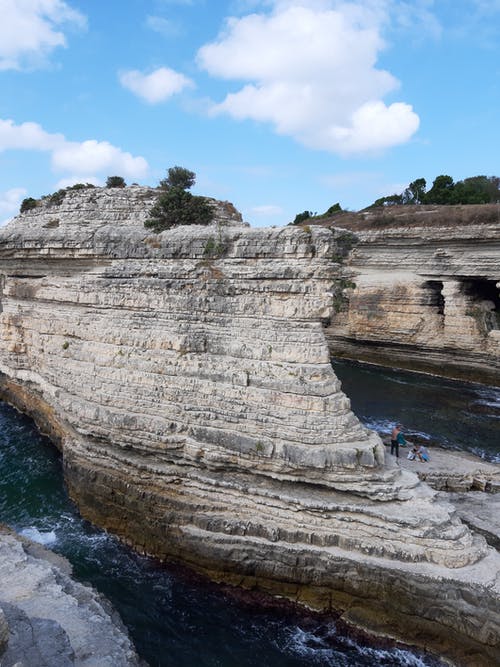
{"x":435,"y":295}
{"x":484,"y":300}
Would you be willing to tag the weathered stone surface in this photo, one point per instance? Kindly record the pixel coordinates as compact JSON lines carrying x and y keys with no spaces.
{"x":4,"y":632}
{"x":480,"y":511}
{"x":191,"y":392}
{"x":424,"y":298}
{"x":54,"y":621}
{"x":35,"y":641}
{"x":453,"y":471}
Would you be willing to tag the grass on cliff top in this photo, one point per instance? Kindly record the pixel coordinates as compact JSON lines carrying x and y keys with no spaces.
{"x":391,"y":217}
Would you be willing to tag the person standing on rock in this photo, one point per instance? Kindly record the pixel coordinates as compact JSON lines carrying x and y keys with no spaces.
{"x":397,"y":438}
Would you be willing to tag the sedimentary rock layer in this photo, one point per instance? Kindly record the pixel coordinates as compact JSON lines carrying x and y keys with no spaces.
{"x":424,"y":298}
{"x":186,"y":377}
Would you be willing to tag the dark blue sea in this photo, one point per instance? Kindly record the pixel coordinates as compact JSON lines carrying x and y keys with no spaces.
{"x":454,"y":415}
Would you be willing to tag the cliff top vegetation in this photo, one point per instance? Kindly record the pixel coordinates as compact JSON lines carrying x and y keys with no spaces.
{"x":412,"y":216}
{"x":474,"y":200}
{"x":174,"y":205}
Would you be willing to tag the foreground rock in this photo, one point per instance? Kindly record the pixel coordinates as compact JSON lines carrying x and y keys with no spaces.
{"x":481,"y":512}
{"x":470,"y":484}
{"x":187,"y":379}
{"x":449,"y":470}
{"x":49,"y":620}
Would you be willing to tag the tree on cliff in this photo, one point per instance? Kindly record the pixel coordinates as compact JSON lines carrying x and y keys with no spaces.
{"x":477,"y":190}
{"x":179,"y":177}
{"x":415,"y":192}
{"x":441,"y":191}
{"x":301,"y":217}
{"x":115,"y":182}
{"x":176,"y":206}
{"x":309,"y":215}
{"x":27,"y":204}
{"x":444,"y":191}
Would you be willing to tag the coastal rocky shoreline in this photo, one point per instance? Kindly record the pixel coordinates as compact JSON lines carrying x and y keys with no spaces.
{"x":46,"y":644}
{"x":47,"y":619}
{"x":186,"y":378}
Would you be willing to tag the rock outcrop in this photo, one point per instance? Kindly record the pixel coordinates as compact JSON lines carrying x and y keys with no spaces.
{"x":453,"y":471}
{"x":187,"y":379}
{"x":423,"y":296}
{"x":47,"y":619}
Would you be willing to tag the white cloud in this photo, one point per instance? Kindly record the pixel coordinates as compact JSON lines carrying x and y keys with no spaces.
{"x":29,"y":30}
{"x":267,"y":210}
{"x":310,"y":69}
{"x":157,"y":86}
{"x":10,"y":201}
{"x":27,"y":136}
{"x":416,"y":19}
{"x":163,"y":26}
{"x":97,"y":156}
{"x":487,"y":6}
{"x":87,"y":157}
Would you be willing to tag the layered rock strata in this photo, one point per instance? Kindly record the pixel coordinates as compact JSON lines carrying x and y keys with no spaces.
{"x":423,"y":298}
{"x":455,"y":471}
{"x":49,"y":620}
{"x":187,"y":380}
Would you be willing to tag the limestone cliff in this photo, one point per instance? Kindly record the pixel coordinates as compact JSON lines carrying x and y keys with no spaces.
{"x":186,"y":378}
{"x":423,"y":293}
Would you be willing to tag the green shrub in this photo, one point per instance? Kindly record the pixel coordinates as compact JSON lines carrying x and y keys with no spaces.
{"x":28,"y":204}
{"x":178,"y":207}
{"x":56,"y":198}
{"x":115,"y":182}
{"x":215,"y":247}
{"x":81,"y":186}
{"x":336,"y":208}
{"x":300,"y":217}
{"x":175,"y":206}
{"x":179,"y":177}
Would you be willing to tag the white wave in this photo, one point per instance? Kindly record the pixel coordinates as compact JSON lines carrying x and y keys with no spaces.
{"x":386,"y":426}
{"x":403,"y":657}
{"x":380,"y":425}
{"x":487,"y":456}
{"x":42,"y":537}
{"x":318,"y":651}
{"x":489,"y":396}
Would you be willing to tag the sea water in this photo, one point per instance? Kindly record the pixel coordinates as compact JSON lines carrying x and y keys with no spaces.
{"x":455,"y":415}
{"x":177,"y":619}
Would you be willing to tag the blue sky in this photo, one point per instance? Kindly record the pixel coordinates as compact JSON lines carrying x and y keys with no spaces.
{"x":277,"y":105}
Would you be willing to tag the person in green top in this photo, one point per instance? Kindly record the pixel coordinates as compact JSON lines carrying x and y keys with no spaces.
{"x":397,"y":439}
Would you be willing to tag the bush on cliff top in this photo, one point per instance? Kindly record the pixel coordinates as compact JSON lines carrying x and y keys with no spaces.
{"x":179,"y":177}
{"x":54,"y":199}
{"x":314,"y":217}
{"x":27,"y":204}
{"x":175,"y":206}
{"x":115,"y":182}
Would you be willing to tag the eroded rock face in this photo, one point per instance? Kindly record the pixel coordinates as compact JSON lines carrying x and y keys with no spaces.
{"x":187,"y":379}
{"x":49,"y":620}
{"x":424,"y":298}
